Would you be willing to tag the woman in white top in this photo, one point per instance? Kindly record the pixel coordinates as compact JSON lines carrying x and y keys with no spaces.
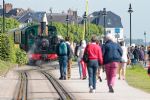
{"x":82,"y":66}
{"x":124,"y":59}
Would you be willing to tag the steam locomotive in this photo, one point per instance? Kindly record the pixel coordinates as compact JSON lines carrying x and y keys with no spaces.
{"x":39,"y":41}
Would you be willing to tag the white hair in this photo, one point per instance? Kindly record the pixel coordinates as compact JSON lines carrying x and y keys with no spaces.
{"x":110,"y":36}
{"x":60,"y":37}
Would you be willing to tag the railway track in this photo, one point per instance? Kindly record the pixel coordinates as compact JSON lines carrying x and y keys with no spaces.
{"x":63,"y":93}
{"x":21,"y":90}
{"x":24,"y":89}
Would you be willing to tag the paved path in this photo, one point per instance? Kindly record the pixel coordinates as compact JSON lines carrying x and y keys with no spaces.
{"x":80,"y":89}
{"x":7,"y":85}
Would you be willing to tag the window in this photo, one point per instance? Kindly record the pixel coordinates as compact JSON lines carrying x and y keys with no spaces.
{"x":108,"y":31}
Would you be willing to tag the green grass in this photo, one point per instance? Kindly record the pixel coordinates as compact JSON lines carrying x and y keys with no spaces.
{"x":138,"y":78}
{"x":4,"y":67}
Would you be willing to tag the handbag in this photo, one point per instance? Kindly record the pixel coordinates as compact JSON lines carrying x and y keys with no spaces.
{"x":148,"y":71}
{"x":85,"y":56}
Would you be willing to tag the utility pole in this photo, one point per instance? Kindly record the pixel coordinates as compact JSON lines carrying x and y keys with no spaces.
{"x":3,"y":16}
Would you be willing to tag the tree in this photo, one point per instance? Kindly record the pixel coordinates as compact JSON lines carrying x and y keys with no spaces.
{"x":76,"y":31}
{"x":10,"y":23}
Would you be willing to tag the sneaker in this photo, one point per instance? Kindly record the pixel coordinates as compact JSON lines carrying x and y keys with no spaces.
{"x":60,"y":78}
{"x":64,"y":78}
{"x":84,"y":78}
{"x":68,"y":78}
{"x":91,"y":89}
{"x":111,"y":90}
{"x":123,"y":78}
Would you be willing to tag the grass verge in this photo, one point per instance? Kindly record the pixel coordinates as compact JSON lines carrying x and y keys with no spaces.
{"x":138,"y":78}
{"x":4,"y":67}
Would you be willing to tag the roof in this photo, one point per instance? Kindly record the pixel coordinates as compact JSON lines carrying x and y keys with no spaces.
{"x":37,"y":17}
{"x":61,"y":17}
{"x":112,"y":20}
{"x":30,"y":16}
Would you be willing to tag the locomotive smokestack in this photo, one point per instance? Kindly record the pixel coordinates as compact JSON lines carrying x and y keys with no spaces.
{"x":44,"y":22}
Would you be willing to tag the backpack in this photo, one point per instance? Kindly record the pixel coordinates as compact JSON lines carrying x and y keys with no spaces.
{"x":76,"y":50}
{"x":63,"y":48}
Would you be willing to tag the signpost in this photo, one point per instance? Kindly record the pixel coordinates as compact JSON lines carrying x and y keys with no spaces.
{"x":117,"y":30}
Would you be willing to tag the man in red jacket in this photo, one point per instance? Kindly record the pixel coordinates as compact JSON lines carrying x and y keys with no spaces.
{"x":95,"y":59}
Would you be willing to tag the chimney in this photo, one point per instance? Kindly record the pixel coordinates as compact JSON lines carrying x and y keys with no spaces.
{"x":44,"y":24}
{"x":8,"y":7}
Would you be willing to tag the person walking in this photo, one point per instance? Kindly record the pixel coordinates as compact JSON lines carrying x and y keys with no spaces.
{"x":112,"y":54}
{"x":69,"y":63}
{"x":136,"y":54}
{"x":81,"y":63}
{"x":95,"y":59}
{"x":63,"y":53}
{"x":124,"y":59}
{"x":101,"y":66}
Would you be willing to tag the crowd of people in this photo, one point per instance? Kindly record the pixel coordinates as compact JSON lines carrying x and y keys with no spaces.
{"x":92,"y":57}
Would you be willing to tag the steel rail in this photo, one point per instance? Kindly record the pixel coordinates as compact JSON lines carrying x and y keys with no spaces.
{"x":21,"y":91}
{"x":63,"y":93}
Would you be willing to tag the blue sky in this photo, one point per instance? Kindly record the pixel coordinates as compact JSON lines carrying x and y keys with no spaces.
{"x":140,"y":16}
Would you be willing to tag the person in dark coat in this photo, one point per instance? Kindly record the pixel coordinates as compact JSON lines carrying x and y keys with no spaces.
{"x":112,"y":54}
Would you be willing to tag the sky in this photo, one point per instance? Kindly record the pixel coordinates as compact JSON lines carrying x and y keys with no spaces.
{"x":140,"y":16}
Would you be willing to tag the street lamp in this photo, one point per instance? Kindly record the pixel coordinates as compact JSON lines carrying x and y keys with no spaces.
{"x":145,"y":47}
{"x":3,"y":16}
{"x":130,"y":11}
{"x":85,"y":18}
{"x":67,"y":20}
{"x":104,"y":15}
{"x":145,"y":38}
{"x":51,"y":17}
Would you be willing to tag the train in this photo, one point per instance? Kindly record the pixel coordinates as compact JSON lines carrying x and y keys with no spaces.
{"x":39,"y":41}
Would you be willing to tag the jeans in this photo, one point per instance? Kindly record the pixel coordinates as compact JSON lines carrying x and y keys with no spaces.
{"x":80,"y":69}
{"x":63,"y":66}
{"x":92,"y":71}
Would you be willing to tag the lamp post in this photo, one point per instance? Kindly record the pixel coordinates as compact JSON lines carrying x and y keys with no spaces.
{"x":3,"y":16}
{"x":104,"y":15}
{"x":51,"y":17}
{"x":145,"y":48}
{"x":67,"y":20}
{"x":130,"y":11}
{"x":145,"y":38}
{"x":85,"y":18}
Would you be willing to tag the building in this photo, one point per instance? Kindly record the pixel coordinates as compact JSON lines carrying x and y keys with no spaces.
{"x":113,"y":23}
{"x":10,"y":11}
{"x":31,"y":16}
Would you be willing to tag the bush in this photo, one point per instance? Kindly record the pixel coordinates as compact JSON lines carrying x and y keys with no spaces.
{"x":7,"y":49}
{"x":21,"y":57}
{"x":5,"y":66}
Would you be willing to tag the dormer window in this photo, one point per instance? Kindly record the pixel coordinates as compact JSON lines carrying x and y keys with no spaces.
{"x":109,"y":22}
